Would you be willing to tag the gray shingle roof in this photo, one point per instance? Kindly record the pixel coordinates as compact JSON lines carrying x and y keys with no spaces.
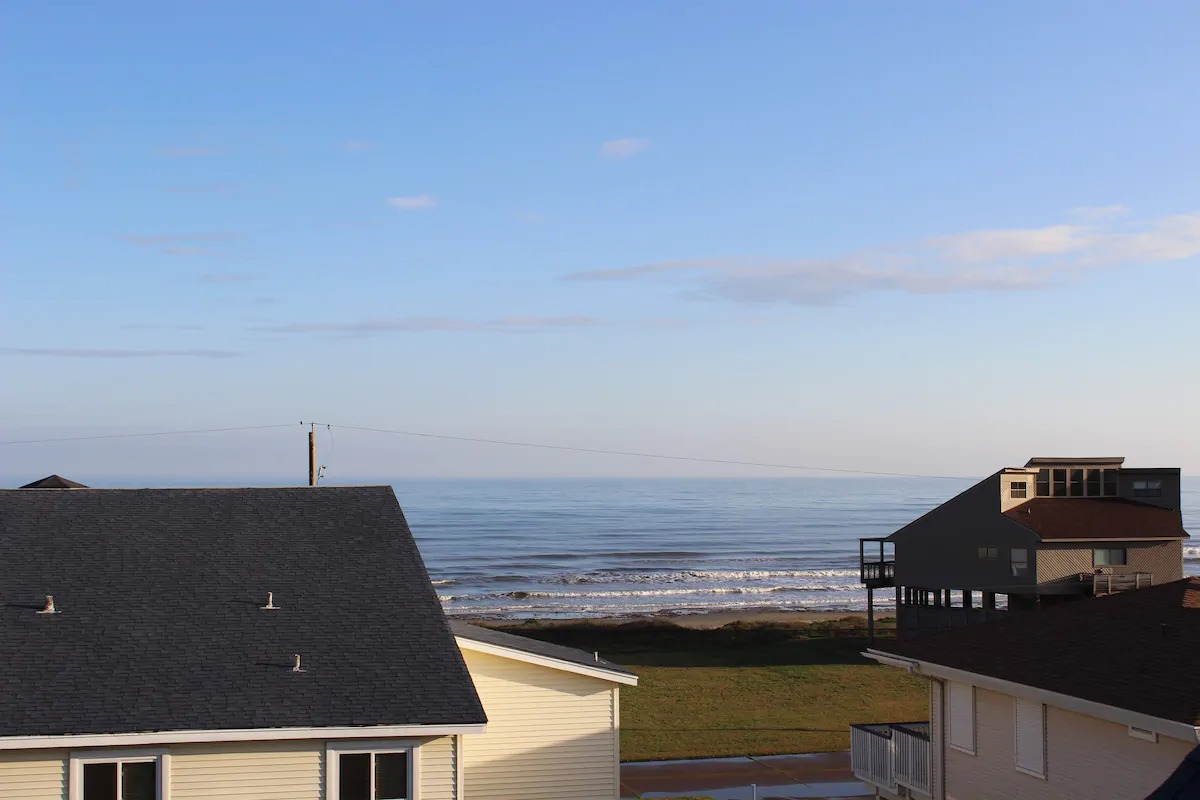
{"x":557,"y":651}
{"x":54,"y":482}
{"x":160,"y":628}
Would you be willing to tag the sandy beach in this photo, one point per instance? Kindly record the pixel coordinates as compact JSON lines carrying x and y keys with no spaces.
{"x":701,"y":621}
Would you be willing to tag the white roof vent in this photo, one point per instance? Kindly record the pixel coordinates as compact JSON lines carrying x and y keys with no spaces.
{"x":49,"y":609}
{"x":270,"y":606}
{"x":296,"y":667}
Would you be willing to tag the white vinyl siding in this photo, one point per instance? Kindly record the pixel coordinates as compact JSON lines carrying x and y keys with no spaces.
{"x":1029,"y":724}
{"x":439,"y":759}
{"x":962,"y":716}
{"x":551,"y":735}
{"x":33,"y":776}
{"x":248,"y":771}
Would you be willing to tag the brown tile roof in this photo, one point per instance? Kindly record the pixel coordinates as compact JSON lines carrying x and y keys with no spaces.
{"x":1097,"y":518}
{"x":1136,"y":650}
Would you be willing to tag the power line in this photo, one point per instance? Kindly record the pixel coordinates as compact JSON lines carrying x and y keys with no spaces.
{"x":635,"y":454}
{"x":143,"y":435}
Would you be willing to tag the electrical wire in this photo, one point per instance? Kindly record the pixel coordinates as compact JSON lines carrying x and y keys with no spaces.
{"x":634,"y":454}
{"x":143,"y":435}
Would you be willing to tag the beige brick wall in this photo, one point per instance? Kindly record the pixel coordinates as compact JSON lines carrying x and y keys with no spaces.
{"x":1086,"y":758}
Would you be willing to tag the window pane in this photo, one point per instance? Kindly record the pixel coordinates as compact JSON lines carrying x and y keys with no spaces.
{"x":99,"y":782}
{"x":1076,"y":483}
{"x":354,"y":776}
{"x":1043,"y":483}
{"x":1094,"y":478}
{"x":391,"y":776}
{"x":139,"y":780}
{"x":1017,"y":489}
{"x":1060,"y":482}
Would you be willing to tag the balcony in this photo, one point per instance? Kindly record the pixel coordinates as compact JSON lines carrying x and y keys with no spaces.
{"x":1111,"y":584}
{"x":876,"y":571}
{"x":892,"y":756}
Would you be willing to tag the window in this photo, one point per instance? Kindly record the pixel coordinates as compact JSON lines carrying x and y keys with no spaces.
{"x":1030,"y":725}
{"x":962,"y":716}
{"x":117,"y":776}
{"x":1020,"y":562}
{"x":1043,"y":483}
{"x":1018,"y":489}
{"x":1058,"y":481}
{"x":1110,"y":483}
{"x":989,"y":552}
{"x":1147,"y":488}
{"x":1095,"y":482}
{"x":379,"y":773}
{"x":1076,"y":483}
{"x":1109,"y":557}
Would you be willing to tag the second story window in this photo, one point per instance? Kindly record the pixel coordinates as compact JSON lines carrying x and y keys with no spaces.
{"x":1072,"y":482}
{"x":1018,"y":489}
{"x":1147,"y":488}
{"x":1109,"y":557}
{"x":989,"y":552}
{"x":1020,"y":562}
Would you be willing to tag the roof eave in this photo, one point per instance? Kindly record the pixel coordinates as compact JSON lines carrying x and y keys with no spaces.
{"x":598,"y":671}
{"x":148,"y":738}
{"x":1176,"y":729}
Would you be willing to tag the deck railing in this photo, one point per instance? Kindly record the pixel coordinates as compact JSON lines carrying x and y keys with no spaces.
{"x":874,"y":571}
{"x":891,"y":755}
{"x":1108,"y":584}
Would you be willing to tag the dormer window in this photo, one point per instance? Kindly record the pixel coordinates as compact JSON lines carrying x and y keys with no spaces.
{"x":1076,"y":482}
{"x":1018,"y":489}
{"x":1147,"y":488}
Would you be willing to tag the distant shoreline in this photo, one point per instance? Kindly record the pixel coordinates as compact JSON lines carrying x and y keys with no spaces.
{"x":695,"y":621}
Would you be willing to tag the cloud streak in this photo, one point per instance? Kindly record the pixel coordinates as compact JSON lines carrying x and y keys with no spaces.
{"x":621,"y":149}
{"x":995,"y":260}
{"x":74,"y":352}
{"x":515,"y":324}
{"x":413,"y":203}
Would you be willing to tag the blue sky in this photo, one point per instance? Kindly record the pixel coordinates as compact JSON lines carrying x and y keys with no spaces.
{"x":915,"y":237}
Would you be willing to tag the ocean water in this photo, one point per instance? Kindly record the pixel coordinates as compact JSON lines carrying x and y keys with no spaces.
{"x":585,"y":547}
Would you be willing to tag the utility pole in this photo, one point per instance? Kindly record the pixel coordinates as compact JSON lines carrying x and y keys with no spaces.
{"x":312,"y":454}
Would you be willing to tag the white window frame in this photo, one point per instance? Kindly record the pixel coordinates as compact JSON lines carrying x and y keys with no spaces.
{"x":124,"y":756}
{"x":1018,"y":490}
{"x":960,"y":694}
{"x":1037,"y":709}
{"x":410,"y":746}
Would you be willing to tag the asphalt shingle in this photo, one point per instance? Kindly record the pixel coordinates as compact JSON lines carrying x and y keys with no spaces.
{"x":160,"y":626}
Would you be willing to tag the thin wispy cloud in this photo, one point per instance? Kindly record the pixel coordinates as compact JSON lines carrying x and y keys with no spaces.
{"x":1098,"y":213}
{"x":186,"y":152}
{"x":75,"y":352}
{"x":413,"y":203}
{"x":514,"y":324}
{"x":620,"y":149}
{"x":1000,"y":260}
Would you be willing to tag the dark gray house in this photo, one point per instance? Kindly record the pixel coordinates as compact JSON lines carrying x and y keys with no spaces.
{"x":1028,"y":537}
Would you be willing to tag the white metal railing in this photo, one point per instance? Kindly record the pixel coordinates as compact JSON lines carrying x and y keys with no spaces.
{"x":891,"y":755}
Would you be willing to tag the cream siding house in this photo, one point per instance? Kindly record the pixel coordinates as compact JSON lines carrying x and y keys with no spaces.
{"x":270,"y":644}
{"x":1033,"y":708}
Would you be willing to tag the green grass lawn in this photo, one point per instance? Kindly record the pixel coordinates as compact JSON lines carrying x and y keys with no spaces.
{"x":744,"y":689}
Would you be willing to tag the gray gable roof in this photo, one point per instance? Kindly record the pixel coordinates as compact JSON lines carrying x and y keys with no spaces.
{"x":54,"y":482}
{"x":570,"y":655}
{"x":160,"y":627}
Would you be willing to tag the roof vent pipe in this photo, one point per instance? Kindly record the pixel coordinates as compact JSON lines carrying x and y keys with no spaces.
{"x":296,"y":667}
{"x":49,"y":609}
{"x":270,"y":606}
